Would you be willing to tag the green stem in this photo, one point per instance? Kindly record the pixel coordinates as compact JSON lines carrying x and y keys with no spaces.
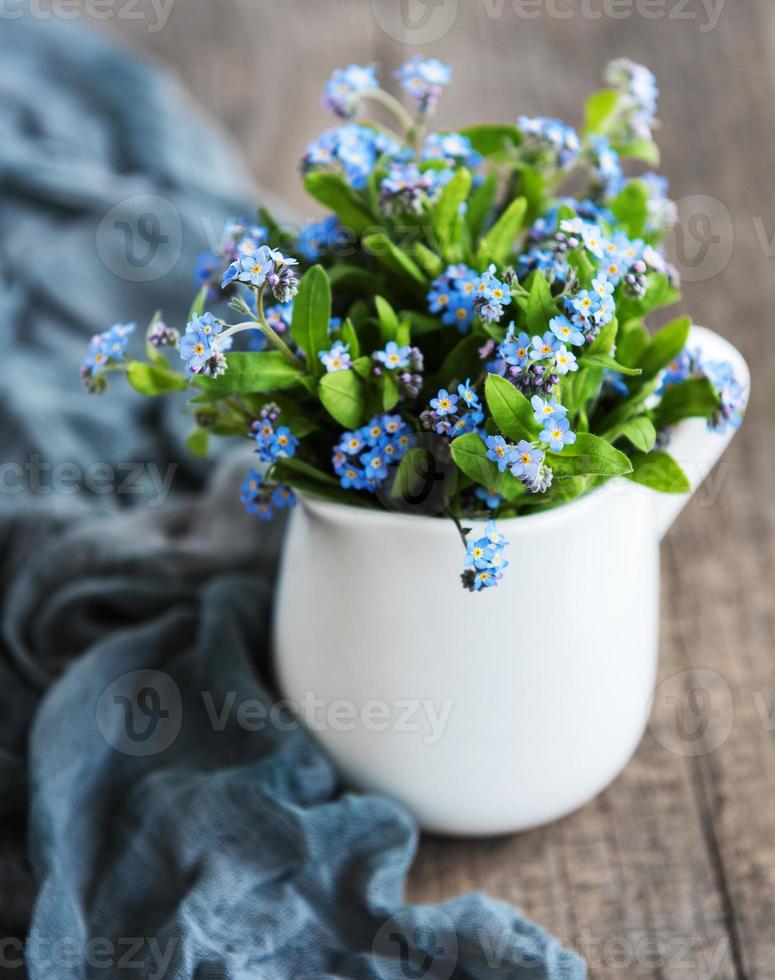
{"x":271,"y":335}
{"x":393,"y":106}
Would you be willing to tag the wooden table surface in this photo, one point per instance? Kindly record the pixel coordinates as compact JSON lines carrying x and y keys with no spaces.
{"x":670,"y":872}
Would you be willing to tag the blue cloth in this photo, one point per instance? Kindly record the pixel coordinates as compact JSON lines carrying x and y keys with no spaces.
{"x":180,"y":825}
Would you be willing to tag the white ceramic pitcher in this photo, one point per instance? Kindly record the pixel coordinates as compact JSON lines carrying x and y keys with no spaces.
{"x":483,"y":713}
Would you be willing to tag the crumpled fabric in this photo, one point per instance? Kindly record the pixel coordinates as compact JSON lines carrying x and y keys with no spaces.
{"x":180,"y":823}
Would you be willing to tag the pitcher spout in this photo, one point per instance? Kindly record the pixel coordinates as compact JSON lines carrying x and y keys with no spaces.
{"x":694,"y":444}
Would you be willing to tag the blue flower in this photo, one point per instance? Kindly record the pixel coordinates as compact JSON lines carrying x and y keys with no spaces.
{"x":424,"y":79}
{"x":274,"y":444}
{"x":545,"y":409}
{"x":468,"y":395}
{"x":254,"y":496}
{"x":252,"y":269}
{"x":353,"y":149}
{"x":638,"y":95}
{"x":543,"y":347}
{"x":606,"y":166}
{"x":499,"y":451}
{"x":200,"y":347}
{"x":558,"y":434}
{"x":451,"y":148}
{"x":552,"y":135}
{"x":515,"y":350}
{"x":284,"y":443}
{"x":479,"y":554}
{"x":336,"y":359}
{"x":490,"y":296}
{"x":444,"y":403}
{"x":342,"y":91}
{"x":452,"y":294}
{"x":483,"y":563}
{"x":110,"y":345}
{"x":564,"y":360}
{"x":385,"y":439}
{"x":527,"y":461}
{"x":564,"y":330}
{"x":316,"y":237}
{"x":394,"y":356}
{"x":489,"y":498}
{"x":283,"y":496}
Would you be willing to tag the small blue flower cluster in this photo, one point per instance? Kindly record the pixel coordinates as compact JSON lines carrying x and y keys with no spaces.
{"x":317,"y":237}
{"x":535,"y":364}
{"x":451,"y":148}
{"x":483,"y":565}
{"x":407,"y":188}
{"x":733,"y":396}
{"x":353,"y":149}
{"x":240,"y":238}
{"x":346,"y":86}
{"x":272,"y":443}
{"x":257,"y":496}
{"x":110,"y":345}
{"x":424,"y":79}
{"x":607,"y":175}
{"x":267,"y":267}
{"x":553,"y":135}
{"x":405,"y":363}
{"x":662,"y":212}
{"x":452,"y":295}
{"x":638,"y":94}
{"x":202,"y":349}
{"x":526,"y":460}
{"x":362,"y":458}
{"x":490,"y":296}
{"x":452,"y":415}
{"x":337,"y":358}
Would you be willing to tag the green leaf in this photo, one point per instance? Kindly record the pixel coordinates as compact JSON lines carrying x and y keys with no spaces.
{"x":389,"y":391}
{"x":470,"y":455}
{"x":447,"y":208}
{"x":251,"y":372}
{"x":660,"y":472}
{"x":607,"y":362}
{"x":639,"y":431}
{"x":342,"y":395}
{"x":693,"y":398}
{"x":489,"y":139}
{"x":350,"y":337}
{"x":497,"y":244}
{"x":511,"y":411}
{"x":335,"y":194}
{"x":665,"y":346}
{"x":393,"y":258}
{"x":388,"y":321}
{"x":287,"y":471}
{"x":429,"y":261}
{"x":198,"y":306}
{"x":300,"y":468}
{"x":197,"y":442}
{"x":645,"y":150}
{"x":588,"y":456}
{"x":312,"y":315}
{"x":342,"y":274}
{"x":480,"y":204}
{"x":631,"y":208}
{"x":540,"y":305}
{"x":632,"y":340}
{"x":153,"y":379}
{"x":461,"y":362}
{"x":605,"y":340}
{"x":598,"y":109}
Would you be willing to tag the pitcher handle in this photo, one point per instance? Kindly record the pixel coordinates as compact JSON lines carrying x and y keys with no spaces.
{"x":694,"y":445}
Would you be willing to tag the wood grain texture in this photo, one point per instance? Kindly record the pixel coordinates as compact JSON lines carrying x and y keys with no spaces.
{"x":671,"y":872}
